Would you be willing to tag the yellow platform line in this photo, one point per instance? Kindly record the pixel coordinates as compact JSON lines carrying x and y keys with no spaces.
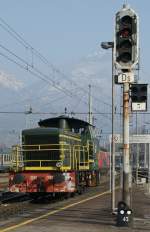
{"x":52,"y":212}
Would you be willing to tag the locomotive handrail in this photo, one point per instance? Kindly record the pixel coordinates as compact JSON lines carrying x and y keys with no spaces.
{"x":79,"y":163}
{"x":44,"y":144}
{"x":40,"y":145}
{"x":73,"y":153}
{"x":39,"y":160}
{"x":54,"y":149}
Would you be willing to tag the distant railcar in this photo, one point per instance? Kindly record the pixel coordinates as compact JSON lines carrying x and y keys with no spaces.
{"x":60,"y":156}
{"x":5,"y":162}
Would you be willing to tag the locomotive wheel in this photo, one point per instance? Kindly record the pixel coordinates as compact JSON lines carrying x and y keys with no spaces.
{"x":72,"y":194}
{"x":67,"y":195}
{"x":81,"y":189}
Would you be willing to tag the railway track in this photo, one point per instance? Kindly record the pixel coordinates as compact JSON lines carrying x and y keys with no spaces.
{"x":8,"y":210}
{"x":14,"y":204}
{"x":7,"y":197}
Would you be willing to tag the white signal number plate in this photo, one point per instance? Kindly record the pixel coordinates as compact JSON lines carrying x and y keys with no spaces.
{"x":125,"y":77}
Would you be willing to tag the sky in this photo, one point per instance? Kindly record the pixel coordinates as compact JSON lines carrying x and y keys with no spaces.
{"x":65,"y":31}
{"x":68,"y":33}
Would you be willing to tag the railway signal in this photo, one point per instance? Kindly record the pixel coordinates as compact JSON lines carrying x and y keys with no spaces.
{"x":139,"y":97}
{"x":124,"y":214}
{"x":126,"y":57}
{"x":126,"y":44}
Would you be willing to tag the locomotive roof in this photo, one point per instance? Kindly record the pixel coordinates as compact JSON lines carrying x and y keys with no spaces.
{"x":72,"y":122}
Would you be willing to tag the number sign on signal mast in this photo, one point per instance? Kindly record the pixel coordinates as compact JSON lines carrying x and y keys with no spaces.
{"x":127,"y":77}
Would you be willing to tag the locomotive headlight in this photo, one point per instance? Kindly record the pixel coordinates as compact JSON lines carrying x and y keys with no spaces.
{"x":59,"y":164}
{"x":121,"y":211}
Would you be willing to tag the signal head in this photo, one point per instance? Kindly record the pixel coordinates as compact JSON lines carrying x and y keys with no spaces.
{"x":139,"y":92}
{"x":126,"y":39}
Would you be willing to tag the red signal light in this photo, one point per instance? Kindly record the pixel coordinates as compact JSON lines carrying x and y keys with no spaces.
{"x":125,"y":33}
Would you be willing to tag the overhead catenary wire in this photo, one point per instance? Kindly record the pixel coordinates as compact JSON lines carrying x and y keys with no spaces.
{"x":36,"y":74}
{"x":24,"y":43}
{"x":27,"y":67}
{"x":62,"y":113}
{"x":27,"y":99}
{"x":30,"y":67}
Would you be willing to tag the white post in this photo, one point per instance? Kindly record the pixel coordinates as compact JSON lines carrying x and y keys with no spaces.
{"x":145,"y":155}
{"x":149,"y":170}
{"x":110,"y":165}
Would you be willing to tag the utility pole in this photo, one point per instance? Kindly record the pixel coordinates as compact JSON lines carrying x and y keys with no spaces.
{"x":108,"y":45}
{"x":137,"y":162}
{"x":90,"y":107}
{"x":137,"y":152}
{"x":145,"y":155}
{"x":112,"y":142}
{"x":149,"y":170}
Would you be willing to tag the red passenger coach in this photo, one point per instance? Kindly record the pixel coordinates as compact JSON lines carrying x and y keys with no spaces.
{"x":103,"y":159}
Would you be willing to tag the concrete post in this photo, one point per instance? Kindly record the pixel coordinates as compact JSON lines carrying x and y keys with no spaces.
{"x":145,"y":155}
{"x":110,"y":165}
{"x":149,"y":170}
{"x":126,"y":164}
{"x":137,"y":162}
